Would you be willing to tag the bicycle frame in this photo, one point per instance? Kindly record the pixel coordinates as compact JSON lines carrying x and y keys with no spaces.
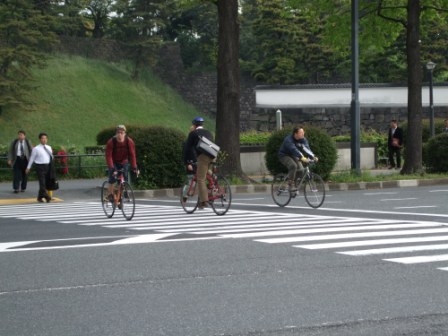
{"x":212,"y":185}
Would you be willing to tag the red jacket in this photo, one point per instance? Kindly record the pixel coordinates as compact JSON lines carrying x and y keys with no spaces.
{"x":121,"y":154}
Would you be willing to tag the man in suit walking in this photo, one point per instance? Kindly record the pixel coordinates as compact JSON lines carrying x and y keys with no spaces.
{"x":395,"y":142}
{"x":18,"y":155}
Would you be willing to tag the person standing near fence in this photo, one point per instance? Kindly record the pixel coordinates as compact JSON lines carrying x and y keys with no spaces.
{"x":18,"y":155}
{"x":41,"y":156}
{"x":394,"y":143}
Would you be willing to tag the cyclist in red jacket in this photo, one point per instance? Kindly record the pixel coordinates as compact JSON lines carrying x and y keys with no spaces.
{"x":120,"y":150}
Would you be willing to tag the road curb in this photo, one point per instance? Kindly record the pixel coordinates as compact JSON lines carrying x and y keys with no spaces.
{"x":260,"y":188}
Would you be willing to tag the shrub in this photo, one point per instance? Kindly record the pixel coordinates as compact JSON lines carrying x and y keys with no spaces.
{"x":159,"y":155}
{"x":426,"y":132}
{"x":254,"y":138}
{"x":321,"y":144}
{"x":436,"y":153}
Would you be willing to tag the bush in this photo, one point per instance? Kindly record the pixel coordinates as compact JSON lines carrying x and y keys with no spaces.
{"x":321,"y":144}
{"x":426,"y":133}
{"x":436,"y":153}
{"x":254,"y":138}
{"x":159,"y":155}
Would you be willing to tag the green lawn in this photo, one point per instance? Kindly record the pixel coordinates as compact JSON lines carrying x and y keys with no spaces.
{"x":77,"y":97}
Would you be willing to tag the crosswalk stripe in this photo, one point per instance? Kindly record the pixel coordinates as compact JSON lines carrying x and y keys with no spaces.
{"x":419,"y":259}
{"x":372,"y":242}
{"x":343,"y":236}
{"x":220,"y":222}
{"x":401,"y":249}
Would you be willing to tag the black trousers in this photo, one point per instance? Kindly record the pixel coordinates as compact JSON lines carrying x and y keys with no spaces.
{"x":394,"y":151}
{"x":20,"y":178}
{"x":42,"y":171}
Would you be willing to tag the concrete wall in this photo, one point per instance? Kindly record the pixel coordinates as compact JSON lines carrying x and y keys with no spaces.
{"x":253,"y":163}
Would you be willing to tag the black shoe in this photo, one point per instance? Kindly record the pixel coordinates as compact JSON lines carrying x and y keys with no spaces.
{"x":48,"y":198}
{"x":16,"y":191}
{"x":23,"y":190}
{"x":40,"y":200}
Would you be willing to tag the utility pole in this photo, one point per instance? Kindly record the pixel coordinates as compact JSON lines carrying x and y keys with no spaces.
{"x":355,"y":110}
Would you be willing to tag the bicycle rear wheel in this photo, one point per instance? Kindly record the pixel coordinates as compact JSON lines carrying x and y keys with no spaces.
{"x":189,"y":198}
{"x":107,"y":204}
{"x":222,"y":196}
{"x":279,"y":190}
{"x":314,"y":190}
{"x":127,"y":202}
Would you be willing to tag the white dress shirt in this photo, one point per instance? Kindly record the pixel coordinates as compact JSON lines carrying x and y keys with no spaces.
{"x":40,"y":155}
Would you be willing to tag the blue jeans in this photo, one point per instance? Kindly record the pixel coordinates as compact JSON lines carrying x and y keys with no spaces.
{"x":118,"y":166}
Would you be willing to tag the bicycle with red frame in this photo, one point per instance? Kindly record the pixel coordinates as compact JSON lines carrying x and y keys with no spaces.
{"x":219,"y":193}
{"x":122,"y":197}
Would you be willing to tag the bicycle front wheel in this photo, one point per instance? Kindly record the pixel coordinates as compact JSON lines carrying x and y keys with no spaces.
{"x":279,"y":190}
{"x":222,"y":196}
{"x":107,"y":203}
{"x":189,"y":198}
{"x":314,"y":190}
{"x":127,"y":202}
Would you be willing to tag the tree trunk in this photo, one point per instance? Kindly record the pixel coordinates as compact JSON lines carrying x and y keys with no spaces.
{"x":413,"y":149}
{"x":228,"y":104}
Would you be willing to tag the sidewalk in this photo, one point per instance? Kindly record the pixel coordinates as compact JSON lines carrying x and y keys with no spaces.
{"x":89,"y":188}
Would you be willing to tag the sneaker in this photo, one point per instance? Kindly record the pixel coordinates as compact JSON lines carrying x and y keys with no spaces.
{"x":203,"y":205}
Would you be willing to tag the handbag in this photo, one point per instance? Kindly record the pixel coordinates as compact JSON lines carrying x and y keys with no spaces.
{"x":52,"y":184}
{"x":395,"y":142}
{"x":207,"y":147}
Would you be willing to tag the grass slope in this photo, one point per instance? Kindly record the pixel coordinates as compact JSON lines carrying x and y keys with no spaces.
{"x":77,"y":97}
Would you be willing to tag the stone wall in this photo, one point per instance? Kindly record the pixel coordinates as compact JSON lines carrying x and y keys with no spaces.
{"x":199,"y":89}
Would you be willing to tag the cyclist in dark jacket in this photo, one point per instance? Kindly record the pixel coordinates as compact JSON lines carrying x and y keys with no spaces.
{"x":203,"y":160}
{"x":294,"y":150}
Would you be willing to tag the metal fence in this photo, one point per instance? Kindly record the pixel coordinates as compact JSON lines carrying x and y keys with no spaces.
{"x":69,"y":165}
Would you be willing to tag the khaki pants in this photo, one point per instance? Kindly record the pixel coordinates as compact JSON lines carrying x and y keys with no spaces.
{"x":294,"y":167}
{"x":203,"y":164}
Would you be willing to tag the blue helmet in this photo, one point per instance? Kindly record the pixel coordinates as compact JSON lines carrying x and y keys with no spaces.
{"x":198,"y":121}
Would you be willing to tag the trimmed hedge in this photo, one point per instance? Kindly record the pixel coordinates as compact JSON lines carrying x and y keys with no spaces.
{"x":321,"y":144}
{"x":159,"y":155}
{"x":436,"y":154}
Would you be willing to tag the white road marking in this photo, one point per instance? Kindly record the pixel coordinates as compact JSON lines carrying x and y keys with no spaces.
{"x":396,"y":250}
{"x":371,"y":242}
{"x":419,"y":259}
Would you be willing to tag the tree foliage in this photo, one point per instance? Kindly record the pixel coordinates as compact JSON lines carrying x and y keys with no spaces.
{"x":25,"y":33}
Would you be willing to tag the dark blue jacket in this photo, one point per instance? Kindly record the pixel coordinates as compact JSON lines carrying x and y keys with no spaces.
{"x":295,"y":148}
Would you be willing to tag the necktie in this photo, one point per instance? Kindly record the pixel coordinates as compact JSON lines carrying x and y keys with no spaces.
{"x":22,"y":153}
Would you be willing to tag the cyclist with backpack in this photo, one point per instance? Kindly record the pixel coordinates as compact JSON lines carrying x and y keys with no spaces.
{"x":203,"y":160}
{"x":120,"y":151}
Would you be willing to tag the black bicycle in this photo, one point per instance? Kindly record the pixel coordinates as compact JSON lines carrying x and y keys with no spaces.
{"x":312,"y":184}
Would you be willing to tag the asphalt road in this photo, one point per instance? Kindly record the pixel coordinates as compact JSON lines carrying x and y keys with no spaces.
{"x":259,"y":270}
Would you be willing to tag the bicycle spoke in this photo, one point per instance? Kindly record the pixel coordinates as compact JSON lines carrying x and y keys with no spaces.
{"x":127,"y":202}
{"x":107,"y":203}
{"x":221,"y":196}
{"x":314,"y":190}
{"x":279,"y":190}
{"x":189,"y":196}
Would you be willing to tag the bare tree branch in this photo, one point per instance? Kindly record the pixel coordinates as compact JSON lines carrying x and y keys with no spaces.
{"x":380,"y":14}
